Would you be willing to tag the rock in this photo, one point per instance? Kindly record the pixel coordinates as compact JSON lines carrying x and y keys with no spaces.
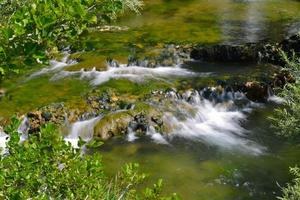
{"x":139,"y":124}
{"x":47,"y":116}
{"x":35,"y":121}
{"x":226,"y":53}
{"x":282,"y":78}
{"x":157,"y":120}
{"x":252,"y":52}
{"x":256,"y":91}
{"x":112,"y":124}
{"x":2,"y":92}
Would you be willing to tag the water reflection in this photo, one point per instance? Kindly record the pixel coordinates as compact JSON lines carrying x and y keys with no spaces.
{"x":254,"y":25}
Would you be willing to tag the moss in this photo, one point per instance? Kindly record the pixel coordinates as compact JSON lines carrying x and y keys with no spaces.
{"x":29,"y":95}
{"x":127,"y":88}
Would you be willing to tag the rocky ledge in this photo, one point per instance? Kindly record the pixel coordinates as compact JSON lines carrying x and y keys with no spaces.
{"x":252,"y":52}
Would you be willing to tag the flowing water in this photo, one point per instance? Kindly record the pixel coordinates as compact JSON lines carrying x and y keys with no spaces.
{"x":220,"y":146}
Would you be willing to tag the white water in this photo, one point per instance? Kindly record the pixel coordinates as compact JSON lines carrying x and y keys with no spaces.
{"x":151,"y":132}
{"x":131,"y":136}
{"x":83,"y":130}
{"x":4,"y":138}
{"x":133,"y":73}
{"x":156,"y":137}
{"x":273,"y":98}
{"x":23,"y":129}
{"x":213,"y":124}
{"x":55,"y":66}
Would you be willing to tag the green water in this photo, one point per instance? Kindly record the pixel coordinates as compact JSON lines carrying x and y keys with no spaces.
{"x":193,"y":169}
{"x":196,"y":170}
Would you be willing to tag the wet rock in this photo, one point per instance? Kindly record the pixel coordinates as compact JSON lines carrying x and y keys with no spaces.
{"x":169,"y":55}
{"x":139,"y":124}
{"x":47,"y":116}
{"x":157,"y":120}
{"x":226,"y":53}
{"x":252,"y":52}
{"x":35,"y":121}
{"x":256,"y":91}
{"x":112,"y":124}
{"x":282,"y":78}
{"x":291,"y":43}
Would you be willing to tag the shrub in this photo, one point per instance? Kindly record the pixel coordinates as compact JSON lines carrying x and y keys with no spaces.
{"x":286,"y":119}
{"x":31,"y":30}
{"x":45,"y":167}
{"x":292,"y":191}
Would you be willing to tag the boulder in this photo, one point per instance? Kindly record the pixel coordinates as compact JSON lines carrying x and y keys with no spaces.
{"x":113,"y":124}
{"x":256,"y":91}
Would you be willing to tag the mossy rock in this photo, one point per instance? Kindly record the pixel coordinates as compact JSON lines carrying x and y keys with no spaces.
{"x":116,"y":124}
{"x":112,"y":125}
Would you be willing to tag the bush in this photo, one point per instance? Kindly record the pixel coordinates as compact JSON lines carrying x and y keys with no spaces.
{"x":45,"y":167}
{"x":292,"y":192}
{"x":286,"y":119}
{"x":31,"y":30}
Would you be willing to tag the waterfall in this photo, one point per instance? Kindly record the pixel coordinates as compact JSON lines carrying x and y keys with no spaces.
{"x":23,"y":129}
{"x":55,"y":65}
{"x":214,"y":119}
{"x":4,"y":138}
{"x":273,"y":98}
{"x":133,"y":73}
{"x":83,"y":130}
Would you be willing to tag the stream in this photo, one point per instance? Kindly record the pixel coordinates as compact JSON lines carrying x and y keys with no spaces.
{"x":219,"y":144}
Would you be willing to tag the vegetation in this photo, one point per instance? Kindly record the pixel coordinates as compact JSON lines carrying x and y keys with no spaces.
{"x":286,"y":120}
{"x":45,"y":167}
{"x":292,"y":192}
{"x":33,"y":30}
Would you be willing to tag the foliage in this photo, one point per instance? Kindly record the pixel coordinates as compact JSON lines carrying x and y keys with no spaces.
{"x":32,"y":30}
{"x":286,"y":119}
{"x":292,"y":192}
{"x":45,"y":167}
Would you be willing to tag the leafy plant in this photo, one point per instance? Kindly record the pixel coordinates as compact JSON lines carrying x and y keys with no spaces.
{"x":286,"y":119}
{"x":292,"y":191}
{"x":33,"y":30}
{"x":45,"y":167}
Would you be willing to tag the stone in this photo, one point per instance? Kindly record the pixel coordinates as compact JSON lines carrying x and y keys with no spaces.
{"x":256,"y":91}
{"x":112,"y":124}
{"x":2,"y":92}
